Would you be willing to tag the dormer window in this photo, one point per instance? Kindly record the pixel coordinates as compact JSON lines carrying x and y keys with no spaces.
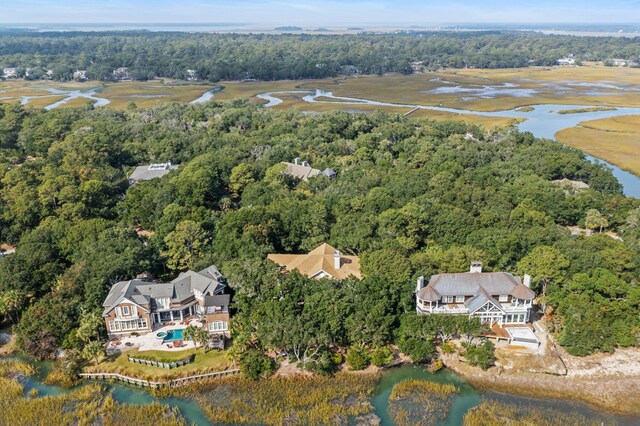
{"x":459,"y":299}
{"x":447,"y":299}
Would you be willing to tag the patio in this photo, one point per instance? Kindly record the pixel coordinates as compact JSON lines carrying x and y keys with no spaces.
{"x":150,"y":341}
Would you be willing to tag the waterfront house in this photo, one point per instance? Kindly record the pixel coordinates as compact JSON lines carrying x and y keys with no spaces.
{"x":322,"y":262}
{"x":80,"y":75}
{"x":143,"y":306}
{"x":151,"y":171}
{"x":494,"y":297}
{"x":302,"y":170}
{"x":121,"y":74}
{"x":192,"y":75}
{"x":10,"y":73}
{"x":568,"y":61}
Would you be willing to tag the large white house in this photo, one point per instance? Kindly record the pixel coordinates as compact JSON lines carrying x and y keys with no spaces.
{"x":494,"y":297}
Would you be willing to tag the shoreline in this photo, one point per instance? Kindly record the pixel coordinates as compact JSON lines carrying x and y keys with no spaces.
{"x":612,"y":391}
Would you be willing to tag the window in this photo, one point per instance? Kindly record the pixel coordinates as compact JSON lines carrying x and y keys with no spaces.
{"x":447,"y":299}
{"x":504,"y":298}
{"x":125,"y":310}
{"x":218,"y":326}
{"x":128,"y":325}
{"x":118,"y":312}
{"x":459,"y":299}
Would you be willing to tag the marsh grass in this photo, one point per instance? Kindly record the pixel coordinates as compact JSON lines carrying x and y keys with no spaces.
{"x":297,"y":400}
{"x":583,"y":110}
{"x":616,"y":140}
{"x":493,"y":413}
{"x":86,"y":405}
{"x":417,"y":402}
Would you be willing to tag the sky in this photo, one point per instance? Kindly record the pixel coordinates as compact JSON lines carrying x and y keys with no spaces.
{"x":317,"y":12}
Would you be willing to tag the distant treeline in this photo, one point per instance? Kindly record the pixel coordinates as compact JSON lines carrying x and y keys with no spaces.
{"x":273,"y":57}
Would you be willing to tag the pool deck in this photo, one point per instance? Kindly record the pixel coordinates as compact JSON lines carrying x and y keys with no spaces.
{"x":149,"y":341}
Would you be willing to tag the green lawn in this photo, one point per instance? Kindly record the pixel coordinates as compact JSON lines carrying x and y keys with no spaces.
{"x":204,"y":363}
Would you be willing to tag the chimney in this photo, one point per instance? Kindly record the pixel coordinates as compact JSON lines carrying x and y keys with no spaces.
{"x":305,"y":163}
{"x":476,"y":267}
{"x":296,"y":161}
{"x":527,"y":280}
{"x":336,"y":260}
{"x":420,"y":284}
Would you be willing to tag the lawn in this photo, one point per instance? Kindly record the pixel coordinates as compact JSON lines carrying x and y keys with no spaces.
{"x":616,"y":140}
{"x":209,"y":362}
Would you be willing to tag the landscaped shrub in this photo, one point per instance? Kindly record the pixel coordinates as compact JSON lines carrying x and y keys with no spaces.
{"x":255,"y":365}
{"x":480,"y":355}
{"x":381,"y":356}
{"x":357,"y":358}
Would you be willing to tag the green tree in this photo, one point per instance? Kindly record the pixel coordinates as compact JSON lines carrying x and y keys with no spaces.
{"x":255,"y":365}
{"x":185,"y":245}
{"x":595,"y":220}
{"x":94,"y":350}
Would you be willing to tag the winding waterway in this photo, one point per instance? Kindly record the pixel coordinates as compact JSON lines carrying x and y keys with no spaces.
{"x":542,"y":120}
{"x":467,"y":397}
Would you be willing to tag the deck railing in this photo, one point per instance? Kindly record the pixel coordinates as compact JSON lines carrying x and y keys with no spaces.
{"x":181,"y":381}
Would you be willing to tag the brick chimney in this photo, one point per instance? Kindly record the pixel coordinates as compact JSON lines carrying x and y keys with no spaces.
{"x":476,"y":267}
{"x":336,"y":260}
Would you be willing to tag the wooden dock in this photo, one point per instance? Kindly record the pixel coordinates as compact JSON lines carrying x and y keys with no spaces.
{"x":181,"y":381}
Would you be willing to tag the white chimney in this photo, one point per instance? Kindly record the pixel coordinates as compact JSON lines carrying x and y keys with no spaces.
{"x":296,"y":161}
{"x":420,"y":284}
{"x":336,"y":260}
{"x":527,"y":280}
{"x":476,"y":267}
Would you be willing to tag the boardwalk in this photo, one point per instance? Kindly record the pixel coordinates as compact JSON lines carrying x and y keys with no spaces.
{"x":181,"y":381}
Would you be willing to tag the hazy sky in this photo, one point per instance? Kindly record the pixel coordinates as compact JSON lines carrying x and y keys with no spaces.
{"x":316,"y":12}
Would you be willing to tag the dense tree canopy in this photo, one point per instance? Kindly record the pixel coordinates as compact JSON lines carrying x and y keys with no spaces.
{"x":410,"y":197}
{"x":275,"y":57}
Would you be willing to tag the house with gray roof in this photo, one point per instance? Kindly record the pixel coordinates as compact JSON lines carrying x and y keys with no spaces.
{"x":143,"y":306}
{"x":494,"y":297}
{"x":152,"y":171}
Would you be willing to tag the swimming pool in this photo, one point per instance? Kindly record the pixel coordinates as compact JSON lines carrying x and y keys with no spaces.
{"x":173,"y":335}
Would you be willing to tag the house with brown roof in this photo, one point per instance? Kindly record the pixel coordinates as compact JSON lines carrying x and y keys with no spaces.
{"x":494,"y":297}
{"x":322,"y":262}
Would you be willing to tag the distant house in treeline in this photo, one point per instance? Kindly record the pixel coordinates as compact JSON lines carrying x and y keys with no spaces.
{"x":152,"y":171}
{"x":122,"y":74}
{"x":10,"y":72}
{"x":80,"y":75}
{"x":192,"y":75}
{"x":322,"y":262}
{"x":302,"y":170}
{"x":568,"y":61}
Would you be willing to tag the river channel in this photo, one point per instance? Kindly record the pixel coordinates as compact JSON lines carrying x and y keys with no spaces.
{"x":542,"y":121}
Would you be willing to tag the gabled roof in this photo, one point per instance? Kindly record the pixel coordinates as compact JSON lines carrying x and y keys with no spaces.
{"x":300,"y":171}
{"x":143,"y":293}
{"x":474,"y":284}
{"x":481,"y":299}
{"x":320,"y":259}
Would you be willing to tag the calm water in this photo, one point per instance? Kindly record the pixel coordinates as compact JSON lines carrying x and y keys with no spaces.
{"x":543,"y":121}
{"x":467,"y":397}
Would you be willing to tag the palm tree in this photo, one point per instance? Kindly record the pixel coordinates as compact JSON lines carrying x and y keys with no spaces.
{"x":190,"y":333}
{"x":202,"y":336}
